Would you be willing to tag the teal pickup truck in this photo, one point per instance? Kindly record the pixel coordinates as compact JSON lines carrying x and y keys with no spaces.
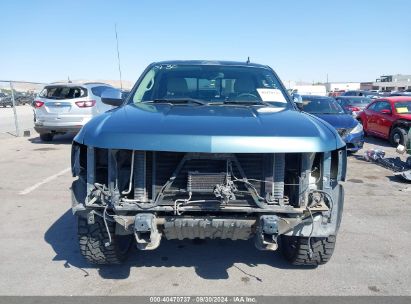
{"x":204,"y":149}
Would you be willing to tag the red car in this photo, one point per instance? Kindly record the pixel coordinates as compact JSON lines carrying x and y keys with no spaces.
{"x":389,"y":118}
{"x":336,"y":93}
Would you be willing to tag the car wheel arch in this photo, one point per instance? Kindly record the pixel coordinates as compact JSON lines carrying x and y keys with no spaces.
{"x":403,"y":124}
{"x":399,"y":129}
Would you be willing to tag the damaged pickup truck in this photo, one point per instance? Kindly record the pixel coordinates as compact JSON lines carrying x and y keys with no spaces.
{"x":206,"y":149}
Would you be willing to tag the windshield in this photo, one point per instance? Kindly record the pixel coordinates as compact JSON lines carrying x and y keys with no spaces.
{"x":210,"y":84}
{"x":359,"y":101}
{"x":403,"y":107}
{"x":321,"y":105}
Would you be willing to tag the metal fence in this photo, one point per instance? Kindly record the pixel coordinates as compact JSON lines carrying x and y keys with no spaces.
{"x":16,"y":111}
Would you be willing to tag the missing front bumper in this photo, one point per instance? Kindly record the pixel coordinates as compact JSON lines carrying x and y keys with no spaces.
{"x":149,"y":229}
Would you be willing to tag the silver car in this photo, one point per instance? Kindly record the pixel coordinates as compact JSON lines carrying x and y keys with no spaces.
{"x":66,"y":107}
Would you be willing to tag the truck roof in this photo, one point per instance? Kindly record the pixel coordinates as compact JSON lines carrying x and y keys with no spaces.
{"x":212,"y":62}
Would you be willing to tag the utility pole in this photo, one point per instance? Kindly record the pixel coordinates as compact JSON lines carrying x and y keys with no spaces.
{"x":118,"y":57}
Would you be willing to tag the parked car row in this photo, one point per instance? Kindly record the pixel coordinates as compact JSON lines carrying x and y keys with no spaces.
{"x":330,"y":110}
{"x":386,"y":117}
{"x":19,"y":99}
{"x":353,"y":104}
{"x":5,"y":100}
{"x":362,"y":93}
{"x":373,"y":94}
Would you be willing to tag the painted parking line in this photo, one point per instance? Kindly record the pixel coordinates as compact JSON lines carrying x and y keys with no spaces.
{"x":44,"y":181}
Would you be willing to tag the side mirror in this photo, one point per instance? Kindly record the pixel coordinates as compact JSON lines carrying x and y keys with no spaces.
{"x":385,"y":111}
{"x":298,"y":100}
{"x":112,"y":97}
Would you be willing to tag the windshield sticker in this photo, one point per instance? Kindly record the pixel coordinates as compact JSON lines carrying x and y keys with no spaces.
{"x":271,"y":95}
{"x":165,"y":66}
{"x":402,"y":110}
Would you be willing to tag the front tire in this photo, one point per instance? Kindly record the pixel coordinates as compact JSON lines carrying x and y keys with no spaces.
{"x":93,"y":239}
{"x":398,"y":136}
{"x":296,"y":250}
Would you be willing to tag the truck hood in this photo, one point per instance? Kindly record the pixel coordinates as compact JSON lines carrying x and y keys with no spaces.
{"x":209,"y":129}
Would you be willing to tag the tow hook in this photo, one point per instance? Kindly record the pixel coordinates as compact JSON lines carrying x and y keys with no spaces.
{"x":267,"y":233}
{"x":145,"y":230}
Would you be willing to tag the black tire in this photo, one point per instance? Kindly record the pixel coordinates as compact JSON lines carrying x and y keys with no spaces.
{"x":398,"y":136}
{"x":297,"y":251}
{"x":46,"y":137}
{"x":93,"y":238}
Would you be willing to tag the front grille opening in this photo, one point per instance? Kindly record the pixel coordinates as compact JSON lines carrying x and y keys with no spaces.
{"x":101,"y":161}
{"x":292,"y":177}
{"x":201,"y":175}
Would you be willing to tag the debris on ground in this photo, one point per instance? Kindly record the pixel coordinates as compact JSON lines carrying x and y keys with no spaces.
{"x":395,"y":164}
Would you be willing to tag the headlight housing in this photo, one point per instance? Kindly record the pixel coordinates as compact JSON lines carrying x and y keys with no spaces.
{"x":358,"y":128}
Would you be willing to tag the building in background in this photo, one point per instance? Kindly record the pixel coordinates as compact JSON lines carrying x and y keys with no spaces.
{"x":385,"y":83}
{"x":367,"y":86}
{"x":305,"y":88}
{"x":342,"y":86}
{"x":310,"y":90}
{"x":396,"y":82}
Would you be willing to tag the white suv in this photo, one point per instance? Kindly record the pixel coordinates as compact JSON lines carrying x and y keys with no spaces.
{"x":63,"y":108}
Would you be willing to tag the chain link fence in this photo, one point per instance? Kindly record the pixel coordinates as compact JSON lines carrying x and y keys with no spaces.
{"x":16,"y":110}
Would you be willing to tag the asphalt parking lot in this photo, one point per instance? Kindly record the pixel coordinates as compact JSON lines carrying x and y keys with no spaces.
{"x":24,"y":116}
{"x":39,"y":253}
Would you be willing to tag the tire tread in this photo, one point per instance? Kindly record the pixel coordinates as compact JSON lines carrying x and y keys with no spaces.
{"x":322,"y":250}
{"x":92,"y":239}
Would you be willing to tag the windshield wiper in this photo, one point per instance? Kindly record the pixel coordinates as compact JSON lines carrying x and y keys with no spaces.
{"x":245,"y":103}
{"x":178,"y":101}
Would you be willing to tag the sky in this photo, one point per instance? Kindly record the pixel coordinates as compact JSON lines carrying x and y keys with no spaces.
{"x":350,"y":40}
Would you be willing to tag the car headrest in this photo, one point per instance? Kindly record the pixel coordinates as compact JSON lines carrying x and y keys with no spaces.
{"x":244,"y":85}
{"x":176,"y":86}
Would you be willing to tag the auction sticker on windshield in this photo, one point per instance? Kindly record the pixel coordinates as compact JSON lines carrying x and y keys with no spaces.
{"x":271,"y":95}
{"x":402,"y":110}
